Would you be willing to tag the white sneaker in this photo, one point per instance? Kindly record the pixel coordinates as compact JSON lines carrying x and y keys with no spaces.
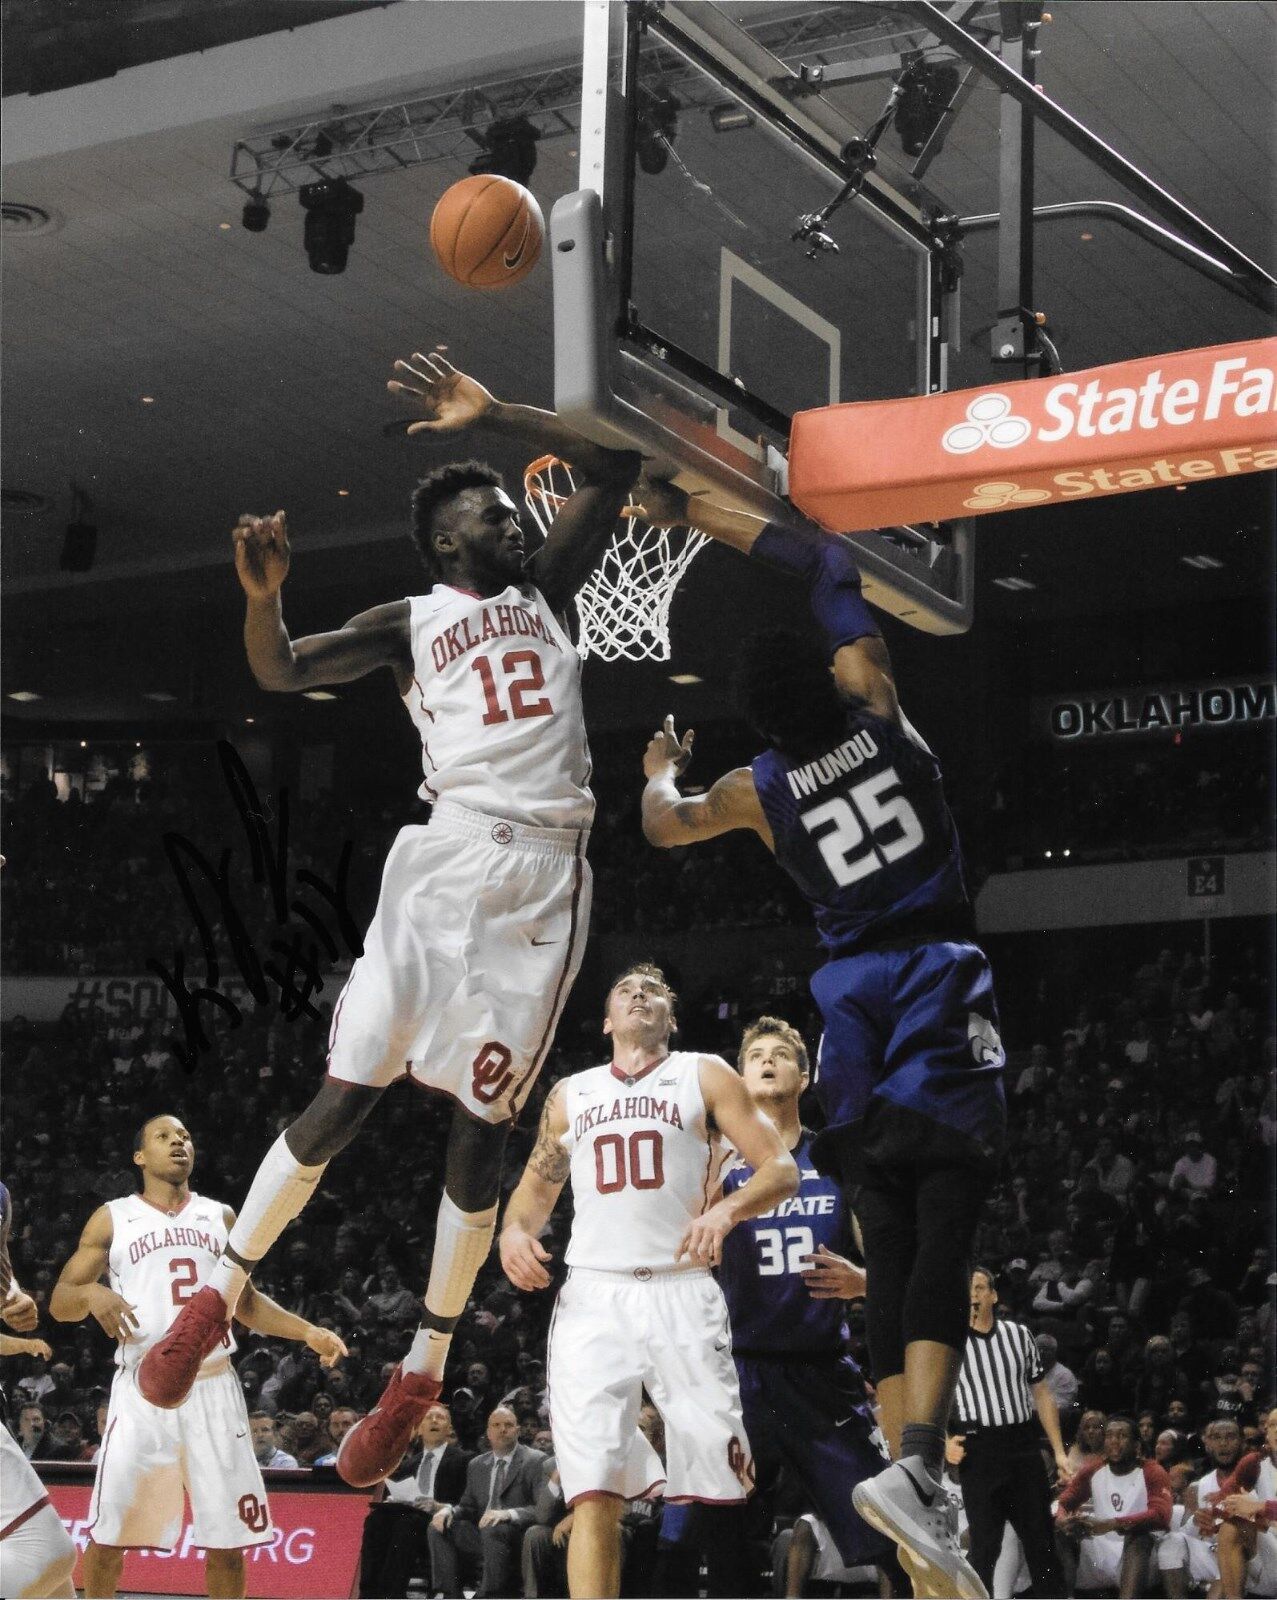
{"x":910,"y":1508}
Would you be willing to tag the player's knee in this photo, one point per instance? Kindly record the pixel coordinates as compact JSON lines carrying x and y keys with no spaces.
{"x":473,"y":1174}
{"x":804,"y":1537}
{"x":601,"y":1513}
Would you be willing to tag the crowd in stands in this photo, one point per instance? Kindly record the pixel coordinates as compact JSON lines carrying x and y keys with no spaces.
{"x":1131,"y":1229}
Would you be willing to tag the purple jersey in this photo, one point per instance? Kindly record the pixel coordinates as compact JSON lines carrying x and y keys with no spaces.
{"x":768,"y":1303}
{"x":863,"y":829}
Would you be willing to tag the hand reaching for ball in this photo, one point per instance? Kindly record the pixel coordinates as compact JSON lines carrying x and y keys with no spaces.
{"x":452,"y":401}
{"x":262,"y":554}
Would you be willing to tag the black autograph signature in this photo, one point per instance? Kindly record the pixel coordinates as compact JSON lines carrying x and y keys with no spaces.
{"x":293,"y":962}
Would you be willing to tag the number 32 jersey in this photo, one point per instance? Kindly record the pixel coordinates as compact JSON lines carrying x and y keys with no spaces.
{"x":496,"y":699}
{"x":158,"y":1261}
{"x":863,"y":829}
{"x":644,"y":1163}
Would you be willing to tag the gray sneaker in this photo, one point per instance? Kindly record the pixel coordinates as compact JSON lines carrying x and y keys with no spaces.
{"x":907,"y":1506}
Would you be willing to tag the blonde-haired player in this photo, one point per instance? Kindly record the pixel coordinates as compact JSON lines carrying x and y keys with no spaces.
{"x":640,"y":1140}
{"x":155,"y":1246}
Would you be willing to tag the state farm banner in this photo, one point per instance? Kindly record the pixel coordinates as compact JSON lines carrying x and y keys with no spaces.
{"x":1170,"y":419}
{"x":1160,"y":708}
{"x":315,"y":1551}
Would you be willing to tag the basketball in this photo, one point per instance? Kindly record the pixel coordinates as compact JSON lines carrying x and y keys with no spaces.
{"x":487,"y":231}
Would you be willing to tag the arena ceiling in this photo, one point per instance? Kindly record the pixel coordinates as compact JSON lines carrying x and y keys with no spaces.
{"x":176,"y":369}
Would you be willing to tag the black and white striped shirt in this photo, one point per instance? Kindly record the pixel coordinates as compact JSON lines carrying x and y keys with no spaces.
{"x":998,"y":1371}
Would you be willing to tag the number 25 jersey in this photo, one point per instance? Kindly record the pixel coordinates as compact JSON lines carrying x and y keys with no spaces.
{"x":157,"y":1261}
{"x":644,"y":1162}
{"x":863,"y":829}
{"x":496,"y":699}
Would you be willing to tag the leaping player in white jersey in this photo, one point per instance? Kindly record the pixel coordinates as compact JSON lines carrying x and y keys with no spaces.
{"x":640,"y":1140}
{"x":481,"y":922}
{"x":154,"y":1246}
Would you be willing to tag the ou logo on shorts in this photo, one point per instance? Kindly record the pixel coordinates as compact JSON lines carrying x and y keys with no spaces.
{"x":252,"y":1513}
{"x":989,"y":421}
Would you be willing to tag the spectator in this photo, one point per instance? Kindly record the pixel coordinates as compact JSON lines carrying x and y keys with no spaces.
{"x":265,"y":1443}
{"x":392,"y":1306}
{"x":1160,"y":1381}
{"x":485,"y":1529}
{"x":1195,"y":1172}
{"x":397,"y":1534}
{"x":1088,"y":1444}
{"x":1062,"y":1383}
{"x":306,"y":1441}
{"x":1114,"y":1171}
{"x":66,"y":1438}
{"x":341,"y":1420}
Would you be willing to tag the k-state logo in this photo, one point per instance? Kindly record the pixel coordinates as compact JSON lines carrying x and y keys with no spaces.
{"x":1001,"y":496}
{"x":989,"y":421}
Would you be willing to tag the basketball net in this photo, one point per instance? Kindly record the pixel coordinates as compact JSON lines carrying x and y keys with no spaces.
{"x":624,"y":605}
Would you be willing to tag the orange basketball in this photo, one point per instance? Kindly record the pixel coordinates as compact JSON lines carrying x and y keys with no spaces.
{"x":487,"y":232}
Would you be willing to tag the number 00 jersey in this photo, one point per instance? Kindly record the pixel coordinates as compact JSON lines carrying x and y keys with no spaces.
{"x":864,"y":831}
{"x":158,"y":1261}
{"x":643,"y":1163}
{"x":496,"y":698}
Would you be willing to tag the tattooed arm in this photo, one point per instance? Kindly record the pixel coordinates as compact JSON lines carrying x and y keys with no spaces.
{"x":522,"y":1256}
{"x":670,"y":818}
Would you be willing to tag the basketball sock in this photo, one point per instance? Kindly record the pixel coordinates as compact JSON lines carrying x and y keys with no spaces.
{"x":927,"y":1442}
{"x":462,"y":1242}
{"x":279,"y":1193}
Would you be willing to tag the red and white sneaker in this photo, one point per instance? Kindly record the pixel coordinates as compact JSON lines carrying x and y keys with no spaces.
{"x":170,"y":1367}
{"x":376,"y":1445}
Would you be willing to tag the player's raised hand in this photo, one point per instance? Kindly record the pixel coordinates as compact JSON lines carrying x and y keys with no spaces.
{"x":667,"y":755}
{"x":9,"y":1346}
{"x":829,"y":1276}
{"x":661,"y":503}
{"x":20,"y":1312}
{"x":114,"y":1315}
{"x":450,"y":401}
{"x":326,"y":1345}
{"x":702,"y":1241}
{"x":522,"y":1259}
{"x":262,"y":554}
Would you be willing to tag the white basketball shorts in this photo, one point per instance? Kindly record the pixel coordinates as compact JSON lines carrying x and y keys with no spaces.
{"x":614,"y":1335}
{"x":477,"y":938}
{"x":1196,"y":1556}
{"x":36,"y":1553}
{"x":148,"y":1457}
{"x":1261,"y":1570}
{"x":1099,"y":1562}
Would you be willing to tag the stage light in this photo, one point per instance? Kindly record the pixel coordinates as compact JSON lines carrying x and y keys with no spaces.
{"x":685,"y":678}
{"x":256,"y":213}
{"x":927,"y":91}
{"x":726,"y":118}
{"x":509,"y":149}
{"x":657,"y":127}
{"x":331,"y":206}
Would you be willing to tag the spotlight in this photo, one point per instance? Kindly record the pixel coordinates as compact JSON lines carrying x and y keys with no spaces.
{"x":730,"y":116}
{"x":256,"y":213}
{"x":509,"y":149}
{"x":657,"y":127}
{"x":928,"y":89}
{"x":331,"y":206}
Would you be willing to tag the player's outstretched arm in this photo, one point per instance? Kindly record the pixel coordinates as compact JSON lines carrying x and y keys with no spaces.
{"x":375,"y":638}
{"x":738,"y":1119}
{"x":79,"y":1294}
{"x":523,"y":1256}
{"x":861,"y":662}
{"x":266,"y":1316}
{"x":19,"y":1310}
{"x":453,"y":401}
{"x":671,"y":818}
{"x":9,"y":1346}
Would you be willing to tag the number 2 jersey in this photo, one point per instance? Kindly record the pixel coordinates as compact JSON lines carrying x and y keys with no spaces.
{"x":644,"y":1163}
{"x":771,"y":1309}
{"x":863,"y":829}
{"x":496,"y":699}
{"x":158,"y":1261}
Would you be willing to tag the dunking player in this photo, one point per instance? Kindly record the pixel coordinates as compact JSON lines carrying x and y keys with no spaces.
{"x":154,"y":1246}
{"x":36,"y":1554}
{"x":785,"y":1277}
{"x":482,"y":917}
{"x":849,"y":798}
{"x":639,"y":1140}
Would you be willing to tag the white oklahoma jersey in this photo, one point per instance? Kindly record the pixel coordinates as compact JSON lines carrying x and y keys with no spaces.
{"x":643,"y":1163}
{"x":150,"y":1458}
{"x":496,"y":698}
{"x":482,"y":918}
{"x":157,"y":1261}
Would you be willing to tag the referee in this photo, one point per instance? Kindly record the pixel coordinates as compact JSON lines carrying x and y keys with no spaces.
{"x":1000,"y":1388}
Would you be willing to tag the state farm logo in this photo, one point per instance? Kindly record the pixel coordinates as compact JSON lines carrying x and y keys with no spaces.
{"x":989,"y":421}
{"x":1002,"y":496}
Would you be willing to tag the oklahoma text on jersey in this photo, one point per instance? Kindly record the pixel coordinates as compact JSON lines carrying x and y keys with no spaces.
{"x":509,"y":621}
